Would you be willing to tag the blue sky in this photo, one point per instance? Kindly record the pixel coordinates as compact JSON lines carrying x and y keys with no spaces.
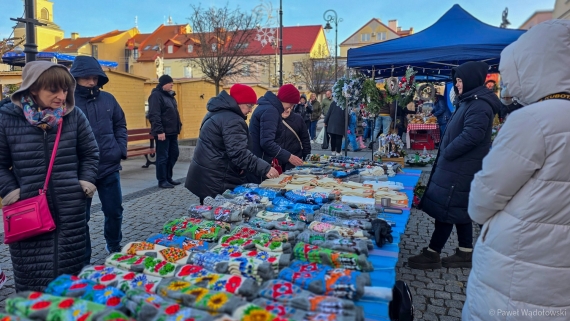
{"x":91,"y":18}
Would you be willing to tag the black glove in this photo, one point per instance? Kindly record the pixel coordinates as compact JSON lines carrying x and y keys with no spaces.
{"x":382,"y":232}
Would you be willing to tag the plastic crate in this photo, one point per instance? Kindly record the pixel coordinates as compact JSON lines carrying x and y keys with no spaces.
{"x":419,"y":141}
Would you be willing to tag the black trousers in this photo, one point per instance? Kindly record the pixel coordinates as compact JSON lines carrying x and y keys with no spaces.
{"x":443,"y":231}
{"x":336,"y":143}
{"x":166,"y":156}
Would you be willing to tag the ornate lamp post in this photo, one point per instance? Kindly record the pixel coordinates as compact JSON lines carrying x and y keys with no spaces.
{"x":333,"y":17}
{"x":30,"y":47}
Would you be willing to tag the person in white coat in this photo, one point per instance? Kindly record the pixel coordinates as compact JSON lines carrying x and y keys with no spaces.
{"x":521,"y":265}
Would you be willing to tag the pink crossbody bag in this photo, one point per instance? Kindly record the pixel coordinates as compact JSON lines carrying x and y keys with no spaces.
{"x":31,"y":217}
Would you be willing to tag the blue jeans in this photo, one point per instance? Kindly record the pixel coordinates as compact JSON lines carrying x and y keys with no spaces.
{"x":352,"y":140}
{"x":109,"y":189}
{"x":313,"y":129}
{"x":367,"y":129}
{"x":441,"y":131}
{"x":382,"y":123}
{"x":166,"y":156}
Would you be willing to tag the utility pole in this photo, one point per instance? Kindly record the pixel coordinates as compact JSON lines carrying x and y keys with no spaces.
{"x":30,"y":47}
{"x":280,"y":43}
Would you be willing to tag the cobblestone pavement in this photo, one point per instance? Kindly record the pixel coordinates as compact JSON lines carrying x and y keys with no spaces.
{"x":437,"y":295}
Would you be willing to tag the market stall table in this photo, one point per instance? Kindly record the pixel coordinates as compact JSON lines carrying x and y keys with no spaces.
{"x":384,"y":259}
{"x":433,"y":130}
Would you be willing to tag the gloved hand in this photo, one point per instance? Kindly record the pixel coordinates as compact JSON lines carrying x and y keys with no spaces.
{"x":88,"y":188}
{"x":11,"y":198}
{"x":382,"y":232}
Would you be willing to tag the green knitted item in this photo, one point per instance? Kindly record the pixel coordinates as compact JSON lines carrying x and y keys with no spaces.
{"x":8,"y":317}
{"x":120,"y":279}
{"x":314,"y":253}
{"x":196,"y":229}
{"x":287,"y":311}
{"x":40,"y":306}
{"x":252,"y":312}
{"x":141,"y":264}
{"x":333,"y":241}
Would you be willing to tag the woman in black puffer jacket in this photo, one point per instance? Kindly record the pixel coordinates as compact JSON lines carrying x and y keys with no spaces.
{"x":27,"y":136}
{"x":295,"y":137}
{"x":222,"y":157}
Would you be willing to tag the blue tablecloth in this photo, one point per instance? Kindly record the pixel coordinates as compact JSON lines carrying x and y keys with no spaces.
{"x":384,"y":259}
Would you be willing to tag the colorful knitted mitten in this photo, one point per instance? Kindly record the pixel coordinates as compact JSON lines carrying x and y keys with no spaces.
{"x":344,"y":211}
{"x":235,"y":284}
{"x":291,"y":295}
{"x":330,"y":241}
{"x":277,"y":225}
{"x":8,"y":317}
{"x":200,"y":298}
{"x":252,"y":312}
{"x":169,"y":254}
{"x":343,"y":231}
{"x":145,"y":306}
{"x":314,"y":253}
{"x":287,"y":311}
{"x":72,"y":286}
{"x":321,"y":279}
{"x":223,"y":263}
{"x":361,"y":224}
{"x":120,"y":279}
{"x":141,"y":264}
{"x":277,"y":260}
{"x":196,"y":229}
{"x":222,"y":214}
{"x":40,"y":306}
{"x":180,"y":242}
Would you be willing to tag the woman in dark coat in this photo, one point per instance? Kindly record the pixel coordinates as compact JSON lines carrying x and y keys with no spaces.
{"x":222,"y":157}
{"x":466,"y":141}
{"x":295,"y":137}
{"x":28,"y":128}
{"x":334,"y":122}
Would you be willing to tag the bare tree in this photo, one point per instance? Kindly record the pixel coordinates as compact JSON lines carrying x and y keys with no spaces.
{"x":225,"y":42}
{"x":318,"y":73}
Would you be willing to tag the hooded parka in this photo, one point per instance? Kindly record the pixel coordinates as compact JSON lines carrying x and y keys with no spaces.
{"x":522,"y":194}
{"x":25,"y":151}
{"x":466,"y":141}
{"x":222,"y":157}
{"x":104,"y":113}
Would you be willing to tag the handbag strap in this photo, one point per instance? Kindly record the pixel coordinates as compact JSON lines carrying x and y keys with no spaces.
{"x":299,"y":139}
{"x":54,"y":152}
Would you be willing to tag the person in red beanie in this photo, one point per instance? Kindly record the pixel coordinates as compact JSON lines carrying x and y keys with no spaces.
{"x":222,"y":158}
{"x":265,"y":128}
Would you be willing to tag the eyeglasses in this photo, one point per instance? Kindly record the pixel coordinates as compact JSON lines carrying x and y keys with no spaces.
{"x":250,"y":106}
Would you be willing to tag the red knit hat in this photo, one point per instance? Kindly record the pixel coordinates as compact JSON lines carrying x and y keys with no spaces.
{"x":289,"y":94}
{"x":243,"y":94}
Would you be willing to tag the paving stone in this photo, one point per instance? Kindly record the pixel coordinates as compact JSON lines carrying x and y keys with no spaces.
{"x":436,"y":302}
{"x":454,"y":312}
{"x":426,"y":293}
{"x":458,"y":297}
{"x":442,"y":295}
{"x":435,"y":286}
{"x":452,"y":303}
{"x":448,"y":318}
{"x":436,"y":310}
{"x":453,"y":289}
{"x":430,"y":316}
{"x":417,"y":284}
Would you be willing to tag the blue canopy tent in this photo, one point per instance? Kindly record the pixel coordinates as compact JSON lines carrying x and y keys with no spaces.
{"x":19,"y":59}
{"x":457,"y":37}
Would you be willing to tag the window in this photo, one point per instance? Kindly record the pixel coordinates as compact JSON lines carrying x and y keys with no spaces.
{"x":190,"y":48}
{"x":44,"y":14}
{"x":135,"y":54}
{"x":187,"y":72}
{"x":170,"y":49}
{"x":155,"y":48}
{"x":365,"y":37}
{"x":147,"y":47}
{"x":242,"y":45}
{"x":297,"y":67}
{"x":68,"y":46}
{"x":246,"y":71}
{"x":167,"y":70}
{"x":95,"y":51}
{"x":214,"y":47}
{"x":289,"y":47}
{"x":382,"y":36}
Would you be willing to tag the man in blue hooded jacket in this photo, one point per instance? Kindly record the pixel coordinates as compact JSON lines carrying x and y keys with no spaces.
{"x":107,"y":120}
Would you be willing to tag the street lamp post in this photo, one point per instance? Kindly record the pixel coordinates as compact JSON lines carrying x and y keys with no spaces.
{"x":30,"y":47}
{"x":333,"y":17}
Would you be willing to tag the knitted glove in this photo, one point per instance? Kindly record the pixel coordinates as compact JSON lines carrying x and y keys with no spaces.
{"x":88,"y":188}
{"x":235,"y":284}
{"x":382,"y":232}
{"x":120,"y":279}
{"x":11,"y":198}
{"x":314,"y":253}
{"x":72,"y":286}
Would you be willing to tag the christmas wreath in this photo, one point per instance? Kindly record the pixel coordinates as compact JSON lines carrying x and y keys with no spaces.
{"x":391,"y":86}
{"x":348,"y":91}
{"x":407,"y":87}
{"x":373,"y":97}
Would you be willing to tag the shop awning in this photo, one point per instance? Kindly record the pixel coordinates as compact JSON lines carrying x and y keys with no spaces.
{"x":18,"y":59}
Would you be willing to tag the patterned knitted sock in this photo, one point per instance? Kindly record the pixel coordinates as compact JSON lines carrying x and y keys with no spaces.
{"x":170,"y":254}
{"x":314,"y":253}
{"x":321,"y":279}
{"x":235,"y":284}
{"x":350,"y":232}
{"x":200,"y":298}
{"x":337,"y":244}
{"x":40,"y":306}
{"x":222,"y":214}
{"x":276,"y":225}
{"x":251,"y":267}
{"x":141,"y":264}
{"x":9,"y":317}
{"x":254,"y":312}
{"x":72,"y":286}
{"x":211,"y":261}
{"x":179,"y":242}
{"x":197,"y":229}
{"x":344,"y":211}
{"x":145,"y":306}
{"x":361,"y":224}
{"x":287,"y":311}
{"x":120,"y":279}
{"x":271,"y":216}
{"x":278,"y":235}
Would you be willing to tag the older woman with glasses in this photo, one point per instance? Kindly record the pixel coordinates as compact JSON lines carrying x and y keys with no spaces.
{"x":222,"y":157}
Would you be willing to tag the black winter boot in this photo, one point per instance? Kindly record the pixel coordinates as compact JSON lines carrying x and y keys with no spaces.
{"x":425,"y":260}
{"x":460,"y":259}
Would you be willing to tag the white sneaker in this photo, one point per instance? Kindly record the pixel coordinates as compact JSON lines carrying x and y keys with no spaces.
{"x":333,"y":154}
{"x":312,"y":142}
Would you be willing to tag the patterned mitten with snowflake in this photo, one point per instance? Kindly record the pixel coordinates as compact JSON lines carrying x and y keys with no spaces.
{"x":252,"y":311}
{"x":179,"y":242}
{"x":314,"y":253}
{"x":287,"y":311}
{"x":118,"y":278}
{"x":72,"y":286}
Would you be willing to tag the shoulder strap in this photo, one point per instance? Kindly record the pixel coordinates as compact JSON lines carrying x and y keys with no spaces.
{"x":52,"y":160}
{"x":291,"y":129}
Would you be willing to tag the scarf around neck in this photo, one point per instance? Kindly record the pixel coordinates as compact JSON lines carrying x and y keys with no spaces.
{"x":45,"y":118}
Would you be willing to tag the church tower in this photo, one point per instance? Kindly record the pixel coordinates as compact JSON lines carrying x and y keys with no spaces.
{"x":47,"y":35}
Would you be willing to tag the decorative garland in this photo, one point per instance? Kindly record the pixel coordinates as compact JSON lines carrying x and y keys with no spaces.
{"x":407,"y":87}
{"x":348,"y":91}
